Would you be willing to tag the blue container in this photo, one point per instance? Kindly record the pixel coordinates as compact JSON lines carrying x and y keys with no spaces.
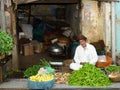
{"x":40,"y":85}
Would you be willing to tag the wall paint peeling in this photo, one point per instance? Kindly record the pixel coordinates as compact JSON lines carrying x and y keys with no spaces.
{"x":108,"y":33}
{"x":92,"y":21}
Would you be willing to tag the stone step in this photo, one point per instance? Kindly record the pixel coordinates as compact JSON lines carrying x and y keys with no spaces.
{"x":21,"y":84}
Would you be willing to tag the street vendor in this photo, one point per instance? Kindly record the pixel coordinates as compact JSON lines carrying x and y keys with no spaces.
{"x":84,"y":53}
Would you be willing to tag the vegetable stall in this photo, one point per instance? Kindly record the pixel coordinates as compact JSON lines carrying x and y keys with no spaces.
{"x":44,"y":76}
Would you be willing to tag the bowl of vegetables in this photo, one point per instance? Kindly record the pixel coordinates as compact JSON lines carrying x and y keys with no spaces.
{"x":40,"y":81}
{"x":115,"y":76}
{"x":43,"y":76}
{"x":44,"y":79}
{"x":113,"y":73}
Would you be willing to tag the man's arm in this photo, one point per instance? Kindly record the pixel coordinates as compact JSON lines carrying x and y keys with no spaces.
{"x":94,"y":56}
{"x":76,"y":56}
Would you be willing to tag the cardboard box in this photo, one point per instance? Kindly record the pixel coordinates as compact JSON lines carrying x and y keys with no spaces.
{"x":38,"y":47}
{"x":31,"y":49}
{"x":28,"y":49}
{"x":25,"y":49}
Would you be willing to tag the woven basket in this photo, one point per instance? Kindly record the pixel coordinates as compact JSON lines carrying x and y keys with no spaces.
{"x":115,"y":79}
{"x":104,"y":64}
{"x":114,"y":76}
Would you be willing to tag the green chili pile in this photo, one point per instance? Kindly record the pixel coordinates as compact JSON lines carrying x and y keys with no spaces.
{"x":113,"y":68}
{"x":88,"y":75}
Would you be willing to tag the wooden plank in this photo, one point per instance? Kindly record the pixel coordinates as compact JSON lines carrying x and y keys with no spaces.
{"x":29,"y":17}
{"x":3,"y":26}
{"x":107,"y":0}
{"x":15,"y":62}
{"x":58,"y":1}
{"x":54,"y":2}
{"x":0,"y":74}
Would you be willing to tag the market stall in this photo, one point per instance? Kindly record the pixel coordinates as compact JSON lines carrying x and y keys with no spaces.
{"x":45,"y":77}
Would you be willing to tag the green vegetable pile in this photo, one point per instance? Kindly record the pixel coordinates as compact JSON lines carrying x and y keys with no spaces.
{"x":112,"y":68}
{"x":88,"y":75}
{"x":6,"y":43}
{"x":33,"y":70}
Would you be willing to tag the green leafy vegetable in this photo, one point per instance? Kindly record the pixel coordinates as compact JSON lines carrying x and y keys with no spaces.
{"x":6,"y":43}
{"x":88,"y":75}
{"x":31,"y":71}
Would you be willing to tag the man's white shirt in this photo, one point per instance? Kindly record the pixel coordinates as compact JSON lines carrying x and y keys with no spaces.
{"x":87,"y":54}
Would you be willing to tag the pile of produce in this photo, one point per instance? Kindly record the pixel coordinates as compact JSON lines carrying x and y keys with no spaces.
{"x":43,"y":66}
{"x":112,"y":68}
{"x":88,"y":75}
{"x":40,"y":76}
{"x":61,"y":78}
{"x":44,"y":74}
{"x":33,"y":70}
{"x":113,"y":73}
{"x":6,"y":43}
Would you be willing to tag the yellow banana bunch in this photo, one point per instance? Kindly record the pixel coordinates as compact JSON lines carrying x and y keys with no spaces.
{"x":42,"y":77}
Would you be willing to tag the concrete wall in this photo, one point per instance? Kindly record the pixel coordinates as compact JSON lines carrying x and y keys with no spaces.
{"x":93,"y":24}
{"x":117,"y":26}
{"x":108,"y":28}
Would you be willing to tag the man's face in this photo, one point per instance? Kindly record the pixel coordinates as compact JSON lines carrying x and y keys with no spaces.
{"x":82,"y":43}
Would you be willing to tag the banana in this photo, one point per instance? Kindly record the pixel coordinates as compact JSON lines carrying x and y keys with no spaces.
{"x":41,"y":78}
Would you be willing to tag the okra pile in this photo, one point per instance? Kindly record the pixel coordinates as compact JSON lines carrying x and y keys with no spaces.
{"x":88,"y":75}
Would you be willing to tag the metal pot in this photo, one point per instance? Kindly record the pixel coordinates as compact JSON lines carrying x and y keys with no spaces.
{"x":56,"y":50}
